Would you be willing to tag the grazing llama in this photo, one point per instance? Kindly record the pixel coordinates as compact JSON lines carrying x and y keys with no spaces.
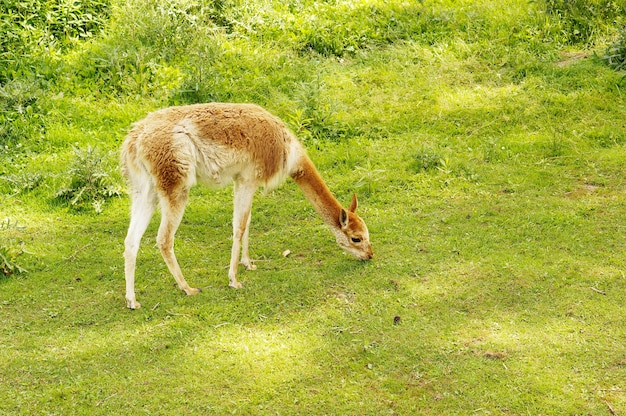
{"x":166,"y":153}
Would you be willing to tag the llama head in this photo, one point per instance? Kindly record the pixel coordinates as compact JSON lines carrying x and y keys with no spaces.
{"x":352,"y":235}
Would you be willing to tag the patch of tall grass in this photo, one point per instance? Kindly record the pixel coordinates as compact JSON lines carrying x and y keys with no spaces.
{"x":21,"y":115}
{"x":586,"y":21}
{"x":615,"y":55}
{"x":34,"y":29}
{"x":282,"y":55}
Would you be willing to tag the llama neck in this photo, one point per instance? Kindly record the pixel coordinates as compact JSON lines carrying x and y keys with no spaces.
{"x":315,"y":190}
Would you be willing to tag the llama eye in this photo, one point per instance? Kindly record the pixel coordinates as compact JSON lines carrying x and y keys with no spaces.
{"x":356,"y":240}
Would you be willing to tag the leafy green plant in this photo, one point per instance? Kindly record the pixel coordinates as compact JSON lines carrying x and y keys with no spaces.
{"x":426,"y":160}
{"x":368,"y":177}
{"x":8,"y":260}
{"x":117,"y":70}
{"x":615,"y":55}
{"x":20,"y":114}
{"x":583,"y":20}
{"x":23,"y":181}
{"x":315,"y":117}
{"x":30,"y":28}
{"x":91,"y":183}
{"x":9,"y":251}
{"x":68,"y":20}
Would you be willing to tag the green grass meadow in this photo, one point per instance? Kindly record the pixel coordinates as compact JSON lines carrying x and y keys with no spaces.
{"x":486,"y":142}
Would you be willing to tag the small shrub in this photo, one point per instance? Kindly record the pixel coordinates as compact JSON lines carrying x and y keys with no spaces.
{"x":9,"y":252}
{"x":91,"y":184}
{"x":23,"y":181}
{"x":30,"y":28}
{"x":316,"y":117}
{"x":68,"y":20}
{"x":369,"y":177}
{"x":584,"y":20}
{"x":615,"y":55}
{"x":20,"y":115}
{"x":426,"y":160}
{"x":115,"y":69}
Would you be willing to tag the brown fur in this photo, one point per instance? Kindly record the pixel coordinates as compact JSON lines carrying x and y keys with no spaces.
{"x":310,"y":181}
{"x":246,"y":128}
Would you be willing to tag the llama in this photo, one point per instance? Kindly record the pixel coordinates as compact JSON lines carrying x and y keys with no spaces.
{"x":171,"y":150}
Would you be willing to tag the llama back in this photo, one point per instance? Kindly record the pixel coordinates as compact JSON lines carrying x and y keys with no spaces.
{"x":249,"y":134}
{"x":212,"y":142}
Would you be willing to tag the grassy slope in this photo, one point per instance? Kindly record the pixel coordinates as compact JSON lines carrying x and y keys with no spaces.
{"x":492,"y":256}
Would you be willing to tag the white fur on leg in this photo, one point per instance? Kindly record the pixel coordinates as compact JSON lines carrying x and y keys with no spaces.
{"x":245,"y":255}
{"x":244,"y":193}
{"x":141,"y":212}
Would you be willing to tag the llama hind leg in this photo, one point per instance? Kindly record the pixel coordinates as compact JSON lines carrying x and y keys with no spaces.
{"x":244,"y":193}
{"x":142,"y":208}
{"x":172,"y":209}
{"x":245,"y":255}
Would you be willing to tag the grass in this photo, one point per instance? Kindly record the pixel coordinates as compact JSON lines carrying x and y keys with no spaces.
{"x":487,"y":149}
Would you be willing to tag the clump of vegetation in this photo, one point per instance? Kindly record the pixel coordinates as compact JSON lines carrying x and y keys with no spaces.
{"x":426,"y":160}
{"x":132,"y":56}
{"x":615,"y":55}
{"x":91,"y":183}
{"x":369,"y":177}
{"x":32,"y":28}
{"x":20,"y":114}
{"x":9,"y":252}
{"x":584,"y":20}
{"x":23,"y":181}
{"x":8,"y":260}
{"x":316,"y":115}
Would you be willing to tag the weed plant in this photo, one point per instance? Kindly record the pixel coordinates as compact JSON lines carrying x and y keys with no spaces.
{"x":20,"y":114}
{"x":33,"y":29}
{"x":426,"y":160}
{"x":615,"y":55}
{"x":486,"y":145}
{"x":91,"y":183}
{"x":584,"y":21}
{"x":10,"y":251}
{"x":23,"y":181}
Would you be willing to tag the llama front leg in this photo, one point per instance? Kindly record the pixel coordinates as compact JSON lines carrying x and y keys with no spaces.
{"x":244,"y":194}
{"x":172,"y":209}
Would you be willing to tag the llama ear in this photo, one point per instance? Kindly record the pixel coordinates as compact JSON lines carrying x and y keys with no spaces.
{"x":343,"y":218}
{"x":354,"y":204}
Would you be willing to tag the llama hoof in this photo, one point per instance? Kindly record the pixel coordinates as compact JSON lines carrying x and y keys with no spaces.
{"x":236,"y":285}
{"x":248,"y":265}
{"x":132,"y":304}
{"x":193,"y":291}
